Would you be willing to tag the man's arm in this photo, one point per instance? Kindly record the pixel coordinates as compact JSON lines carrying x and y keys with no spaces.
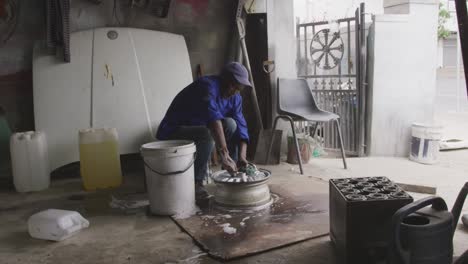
{"x":216,"y":128}
{"x":214,"y":117}
{"x":243,"y":154}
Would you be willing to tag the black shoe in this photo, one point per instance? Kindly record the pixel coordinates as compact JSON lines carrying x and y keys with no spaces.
{"x":200,"y":192}
{"x":202,"y":198}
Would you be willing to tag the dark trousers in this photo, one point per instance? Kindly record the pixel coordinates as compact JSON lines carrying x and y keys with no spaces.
{"x":204,"y":142}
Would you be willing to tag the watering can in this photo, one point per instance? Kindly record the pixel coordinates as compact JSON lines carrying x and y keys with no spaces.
{"x":423,"y":234}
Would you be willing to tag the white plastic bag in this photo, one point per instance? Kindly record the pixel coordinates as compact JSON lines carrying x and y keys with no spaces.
{"x":56,"y":225}
{"x":316,"y":146}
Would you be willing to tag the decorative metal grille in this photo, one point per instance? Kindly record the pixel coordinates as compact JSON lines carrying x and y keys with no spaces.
{"x":326,"y":54}
{"x":333,"y":63}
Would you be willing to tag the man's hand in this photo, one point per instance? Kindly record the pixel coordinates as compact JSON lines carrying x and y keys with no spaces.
{"x":217,"y":132}
{"x":227,"y":161}
{"x":242,"y":163}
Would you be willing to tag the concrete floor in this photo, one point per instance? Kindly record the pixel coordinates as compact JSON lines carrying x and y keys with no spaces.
{"x":114,"y":237}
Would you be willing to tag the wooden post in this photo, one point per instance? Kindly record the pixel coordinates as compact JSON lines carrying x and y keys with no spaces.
{"x":462,"y":16}
{"x":3,"y":11}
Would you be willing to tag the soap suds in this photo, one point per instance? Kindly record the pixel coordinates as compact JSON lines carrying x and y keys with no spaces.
{"x":240,"y":177}
{"x":186,"y":213}
{"x":225,"y":216}
{"x":205,"y":217}
{"x":228,"y":229}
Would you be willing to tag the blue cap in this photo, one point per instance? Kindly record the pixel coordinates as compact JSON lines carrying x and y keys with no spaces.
{"x":239,"y":72}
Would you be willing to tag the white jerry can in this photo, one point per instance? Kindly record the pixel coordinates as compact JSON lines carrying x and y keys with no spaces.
{"x":29,"y":161}
{"x":56,"y":225}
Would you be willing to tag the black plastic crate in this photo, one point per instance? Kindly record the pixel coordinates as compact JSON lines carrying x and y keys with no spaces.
{"x":361,"y":211}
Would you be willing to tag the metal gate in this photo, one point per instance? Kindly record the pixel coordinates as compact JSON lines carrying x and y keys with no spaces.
{"x":331,"y":57}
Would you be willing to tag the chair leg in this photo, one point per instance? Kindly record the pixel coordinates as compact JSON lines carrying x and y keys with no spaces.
{"x":296,"y":143}
{"x":270,"y":146}
{"x":295,"y":140}
{"x":314,"y":130}
{"x":343,"y":155}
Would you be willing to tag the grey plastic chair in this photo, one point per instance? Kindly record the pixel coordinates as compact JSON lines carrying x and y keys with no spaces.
{"x":296,"y":103}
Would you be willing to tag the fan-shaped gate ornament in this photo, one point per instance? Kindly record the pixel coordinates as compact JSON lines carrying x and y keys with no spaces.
{"x":326,"y":49}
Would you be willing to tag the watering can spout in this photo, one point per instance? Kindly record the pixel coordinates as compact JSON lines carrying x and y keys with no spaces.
{"x":457,"y":207}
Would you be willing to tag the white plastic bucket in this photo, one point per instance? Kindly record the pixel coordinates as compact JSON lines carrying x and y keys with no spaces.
{"x":425,"y":143}
{"x":170,"y":176}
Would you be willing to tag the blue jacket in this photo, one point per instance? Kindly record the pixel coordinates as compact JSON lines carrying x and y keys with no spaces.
{"x":201,"y":103}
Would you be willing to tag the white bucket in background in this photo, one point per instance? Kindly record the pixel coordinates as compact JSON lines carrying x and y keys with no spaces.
{"x":425,"y":143}
{"x":170,"y":176}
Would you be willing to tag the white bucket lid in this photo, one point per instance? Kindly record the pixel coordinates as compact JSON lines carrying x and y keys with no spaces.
{"x":427,"y":125}
{"x":427,"y":131}
{"x":168,"y":148}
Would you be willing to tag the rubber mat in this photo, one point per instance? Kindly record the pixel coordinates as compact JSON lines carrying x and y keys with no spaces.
{"x":291,"y":218}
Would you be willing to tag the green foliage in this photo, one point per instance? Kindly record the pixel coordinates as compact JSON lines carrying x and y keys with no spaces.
{"x":444,"y":15}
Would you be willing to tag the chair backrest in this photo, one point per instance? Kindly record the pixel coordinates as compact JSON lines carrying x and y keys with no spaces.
{"x":294,"y":94}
